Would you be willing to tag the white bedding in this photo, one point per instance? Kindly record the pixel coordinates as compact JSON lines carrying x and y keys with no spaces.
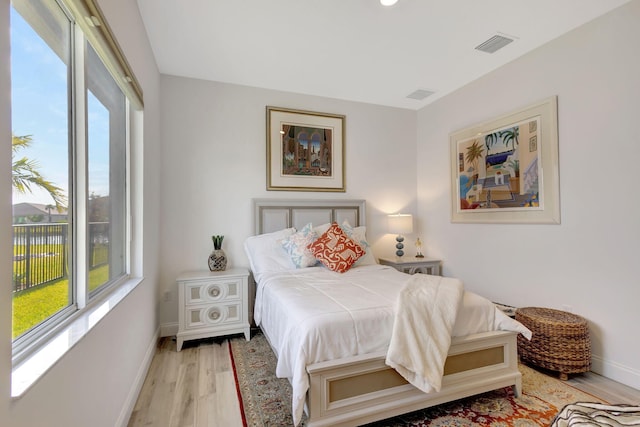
{"x":312,"y":315}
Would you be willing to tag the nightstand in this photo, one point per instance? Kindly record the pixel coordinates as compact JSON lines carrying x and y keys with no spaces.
{"x":413,"y":265}
{"x":212,"y":303}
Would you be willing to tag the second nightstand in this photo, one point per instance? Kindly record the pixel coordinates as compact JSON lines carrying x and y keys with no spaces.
{"x":414,"y":265}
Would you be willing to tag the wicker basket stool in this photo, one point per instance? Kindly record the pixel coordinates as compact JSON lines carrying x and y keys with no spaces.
{"x":560,"y":340}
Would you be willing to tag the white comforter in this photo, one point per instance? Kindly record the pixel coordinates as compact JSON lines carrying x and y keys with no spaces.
{"x":312,"y":315}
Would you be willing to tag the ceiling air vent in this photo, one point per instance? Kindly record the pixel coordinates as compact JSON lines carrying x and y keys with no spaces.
{"x":493,"y":44}
{"x":420,"y":94}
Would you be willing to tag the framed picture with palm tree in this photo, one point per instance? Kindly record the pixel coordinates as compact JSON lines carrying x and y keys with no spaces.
{"x":496,"y":179}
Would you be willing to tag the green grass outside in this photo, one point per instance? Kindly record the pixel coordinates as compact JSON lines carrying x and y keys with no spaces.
{"x":35,"y":305}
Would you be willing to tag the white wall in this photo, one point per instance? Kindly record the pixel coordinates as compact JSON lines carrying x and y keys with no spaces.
{"x":214,"y":163}
{"x":588,"y":261}
{"x":94,"y":383}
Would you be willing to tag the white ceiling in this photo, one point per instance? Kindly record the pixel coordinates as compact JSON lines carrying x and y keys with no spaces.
{"x":355,"y":50}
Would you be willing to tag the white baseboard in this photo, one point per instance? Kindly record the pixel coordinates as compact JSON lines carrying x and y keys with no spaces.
{"x":132,"y":397}
{"x":168,"y":329}
{"x":615,"y":371}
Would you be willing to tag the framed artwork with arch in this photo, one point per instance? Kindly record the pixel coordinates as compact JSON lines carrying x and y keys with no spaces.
{"x":305,"y":150}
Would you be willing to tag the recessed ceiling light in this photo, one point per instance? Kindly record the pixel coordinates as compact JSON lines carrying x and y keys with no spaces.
{"x":388,"y":2}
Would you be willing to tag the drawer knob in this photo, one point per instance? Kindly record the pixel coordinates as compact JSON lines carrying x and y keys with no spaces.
{"x":214,"y":315}
{"x":214,"y":292}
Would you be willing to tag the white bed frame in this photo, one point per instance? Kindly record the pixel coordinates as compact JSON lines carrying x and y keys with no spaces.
{"x":356,"y":390}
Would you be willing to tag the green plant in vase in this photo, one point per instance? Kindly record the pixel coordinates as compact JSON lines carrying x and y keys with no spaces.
{"x":217,"y":241}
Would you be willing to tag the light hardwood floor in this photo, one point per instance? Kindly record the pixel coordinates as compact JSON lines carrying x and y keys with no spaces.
{"x":191,"y":388}
{"x":196,"y":387}
{"x":606,"y":389}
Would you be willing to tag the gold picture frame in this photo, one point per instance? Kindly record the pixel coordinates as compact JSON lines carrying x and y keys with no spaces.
{"x":506,"y":170}
{"x":305,"y":150}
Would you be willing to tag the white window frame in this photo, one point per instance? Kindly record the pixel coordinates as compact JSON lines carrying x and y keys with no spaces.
{"x":37,"y":350}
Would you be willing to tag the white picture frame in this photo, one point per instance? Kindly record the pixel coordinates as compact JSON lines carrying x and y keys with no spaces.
{"x":506,"y":170}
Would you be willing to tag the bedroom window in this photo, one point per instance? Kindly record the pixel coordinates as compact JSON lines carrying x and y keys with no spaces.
{"x":72,"y":97}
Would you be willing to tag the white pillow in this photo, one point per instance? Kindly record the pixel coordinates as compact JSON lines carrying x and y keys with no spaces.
{"x":296,"y":246}
{"x":359,"y":234}
{"x":265,"y":252}
{"x":321,"y":229}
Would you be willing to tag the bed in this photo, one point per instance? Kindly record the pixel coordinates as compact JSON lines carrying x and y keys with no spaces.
{"x":331,"y":331}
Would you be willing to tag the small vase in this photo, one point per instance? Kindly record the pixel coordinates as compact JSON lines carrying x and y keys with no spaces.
{"x":217,"y":259}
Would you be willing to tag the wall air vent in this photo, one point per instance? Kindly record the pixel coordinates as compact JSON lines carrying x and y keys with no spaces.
{"x":493,"y":44}
{"x":420,"y":94}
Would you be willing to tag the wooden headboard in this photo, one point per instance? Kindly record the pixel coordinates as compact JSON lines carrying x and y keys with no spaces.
{"x":277,"y":214}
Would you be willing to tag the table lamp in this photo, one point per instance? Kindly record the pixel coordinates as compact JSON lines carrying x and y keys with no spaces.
{"x":400,"y":224}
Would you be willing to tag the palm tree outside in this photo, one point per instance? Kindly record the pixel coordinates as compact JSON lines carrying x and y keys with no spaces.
{"x":25,"y":174}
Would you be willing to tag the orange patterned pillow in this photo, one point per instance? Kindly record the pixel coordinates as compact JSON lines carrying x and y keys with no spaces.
{"x":336,"y":250}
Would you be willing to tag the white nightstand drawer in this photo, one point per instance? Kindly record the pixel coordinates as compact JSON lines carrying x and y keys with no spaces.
{"x":214,"y":291}
{"x":212,"y":315}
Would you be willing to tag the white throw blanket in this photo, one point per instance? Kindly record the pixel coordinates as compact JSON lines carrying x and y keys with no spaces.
{"x":425,"y":315}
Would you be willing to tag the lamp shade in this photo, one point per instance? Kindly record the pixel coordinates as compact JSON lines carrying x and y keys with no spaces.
{"x":400,"y":223}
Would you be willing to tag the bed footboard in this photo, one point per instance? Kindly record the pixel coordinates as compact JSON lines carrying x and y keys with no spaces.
{"x":361,"y":389}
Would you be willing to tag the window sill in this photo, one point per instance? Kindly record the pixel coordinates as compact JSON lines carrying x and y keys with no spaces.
{"x":34,"y":366}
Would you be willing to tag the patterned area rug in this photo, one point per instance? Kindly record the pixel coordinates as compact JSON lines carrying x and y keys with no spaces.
{"x":266,"y":400}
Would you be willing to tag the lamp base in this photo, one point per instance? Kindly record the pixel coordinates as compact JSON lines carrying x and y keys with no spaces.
{"x":399,"y":246}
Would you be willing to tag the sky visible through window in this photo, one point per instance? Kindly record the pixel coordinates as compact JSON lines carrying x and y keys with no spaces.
{"x":39,"y":85}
